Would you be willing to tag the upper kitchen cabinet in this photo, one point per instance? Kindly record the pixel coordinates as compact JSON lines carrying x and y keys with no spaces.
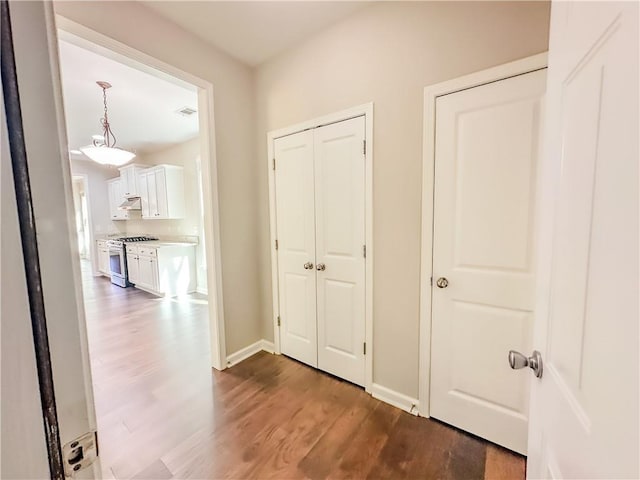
{"x":162,"y":192}
{"x":116,"y":197}
{"x":130,"y":178}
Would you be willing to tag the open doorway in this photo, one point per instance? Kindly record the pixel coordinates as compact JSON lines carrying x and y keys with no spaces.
{"x":82,"y":219}
{"x":148,"y":244}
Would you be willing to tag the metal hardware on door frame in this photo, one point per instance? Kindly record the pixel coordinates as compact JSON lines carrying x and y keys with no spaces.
{"x":321,"y":267}
{"x":442,"y":282}
{"x":308,"y":266}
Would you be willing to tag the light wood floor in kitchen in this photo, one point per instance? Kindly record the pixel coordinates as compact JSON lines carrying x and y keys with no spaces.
{"x":163,"y":413}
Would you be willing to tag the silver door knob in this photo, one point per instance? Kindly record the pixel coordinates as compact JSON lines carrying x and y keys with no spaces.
{"x":534,"y":362}
{"x":308,"y":266}
{"x":320,"y":267}
{"x":442,"y":282}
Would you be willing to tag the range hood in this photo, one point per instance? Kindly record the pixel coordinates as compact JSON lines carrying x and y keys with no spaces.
{"x":133,"y":203}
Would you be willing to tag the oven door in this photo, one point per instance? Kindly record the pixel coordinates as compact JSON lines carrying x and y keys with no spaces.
{"x":117,"y":267}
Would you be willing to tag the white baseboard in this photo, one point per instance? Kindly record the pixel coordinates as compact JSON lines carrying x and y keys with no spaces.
{"x":396,"y":399}
{"x":268,"y":346}
{"x":249,"y":351}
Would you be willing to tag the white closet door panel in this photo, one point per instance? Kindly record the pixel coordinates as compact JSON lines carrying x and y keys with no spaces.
{"x":340,"y":238}
{"x":487,"y":141}
{"x":296,"y":246}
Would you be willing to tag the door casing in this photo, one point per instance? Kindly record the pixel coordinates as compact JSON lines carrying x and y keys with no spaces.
{"x":365,"y":110}
{"x":431,"y":93}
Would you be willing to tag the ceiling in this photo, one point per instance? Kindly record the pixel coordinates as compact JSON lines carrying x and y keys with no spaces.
{"x":253,"y":32}
{"x":142,"y":107}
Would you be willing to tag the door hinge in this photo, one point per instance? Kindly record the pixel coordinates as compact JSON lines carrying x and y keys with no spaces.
{"x":274,"y":163}
{"x":364,"y":251}
{"x":364,"y":348}
{"x":278,"y":320}
{"x":364,"y":147}
{"x":276,"y":243}
{"x":78,"y":454}
{"x":431,"y":280}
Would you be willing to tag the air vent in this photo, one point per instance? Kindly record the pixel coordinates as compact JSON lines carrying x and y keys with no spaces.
{"x":186,"y":111}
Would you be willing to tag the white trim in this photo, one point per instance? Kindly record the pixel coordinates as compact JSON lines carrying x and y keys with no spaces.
{"x":431,"y":93}
{"x":268,"y":346}
{"x":106,"y":46}
{"x":251,"y":350}
{"x":396,"y":399}
{"x":365,"y":110}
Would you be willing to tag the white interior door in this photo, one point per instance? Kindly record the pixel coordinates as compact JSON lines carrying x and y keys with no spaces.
{"x":584,"y":417}
{"x":295,"y":219}
{"x":486,"y":156}
{"x":340,"y":238}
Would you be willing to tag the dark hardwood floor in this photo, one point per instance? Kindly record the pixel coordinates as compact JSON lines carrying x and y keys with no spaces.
{"x":164,"y":413}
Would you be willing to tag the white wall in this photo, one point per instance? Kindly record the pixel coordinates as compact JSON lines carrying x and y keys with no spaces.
{"x":387,"y":53}
{"x":139,"y":27}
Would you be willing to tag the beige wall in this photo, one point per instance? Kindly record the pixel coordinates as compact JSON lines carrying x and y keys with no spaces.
{"x":137,"y":26}
{"x":388,"y":53}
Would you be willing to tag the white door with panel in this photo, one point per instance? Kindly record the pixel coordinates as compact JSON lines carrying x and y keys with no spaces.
{"x":487,"y":148}
{"x":584,"y":410}
{"x":340,"y":238}
{"x":296,"y":246}
{"x":320,"y":218}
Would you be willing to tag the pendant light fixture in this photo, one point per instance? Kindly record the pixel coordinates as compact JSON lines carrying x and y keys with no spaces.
{"x":104,"y":150}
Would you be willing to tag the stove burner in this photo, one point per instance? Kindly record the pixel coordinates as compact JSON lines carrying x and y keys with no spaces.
{"x":136,"y":239}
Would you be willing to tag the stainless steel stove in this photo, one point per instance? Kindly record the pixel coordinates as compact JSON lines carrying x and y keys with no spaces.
{"x":118,"y":258}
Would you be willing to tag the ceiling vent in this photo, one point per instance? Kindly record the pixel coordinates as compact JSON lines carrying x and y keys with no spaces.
{"x":186,"y":111}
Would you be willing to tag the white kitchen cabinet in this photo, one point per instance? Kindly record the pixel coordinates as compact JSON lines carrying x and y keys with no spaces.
{"x":162,"y":269}
{"x":116,"y":198}
{"x":103,"y":257}
{"x":133,"y":267}
{"x":162,"y":192}
{"x":129,"y":180}
{"x":147,"y":274}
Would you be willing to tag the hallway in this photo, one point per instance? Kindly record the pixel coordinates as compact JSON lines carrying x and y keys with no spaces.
{"x":162,"y":413}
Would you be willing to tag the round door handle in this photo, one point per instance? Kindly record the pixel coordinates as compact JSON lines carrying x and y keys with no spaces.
{"x":320,"y":267}
{"x":308,"y":266}
{"x":442,"y":282}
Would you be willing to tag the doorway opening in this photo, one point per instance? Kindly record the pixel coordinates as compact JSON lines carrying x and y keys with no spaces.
{"x":148,"y":240}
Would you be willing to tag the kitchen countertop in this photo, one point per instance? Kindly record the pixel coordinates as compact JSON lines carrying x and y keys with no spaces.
{"x":159,"y":243}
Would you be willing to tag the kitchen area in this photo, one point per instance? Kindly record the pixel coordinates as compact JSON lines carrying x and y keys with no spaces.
{"x":159,"y":264}
{"x":134,"y":147}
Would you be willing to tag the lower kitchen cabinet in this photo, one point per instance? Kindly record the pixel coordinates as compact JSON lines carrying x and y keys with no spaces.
{"x":164,"y":269}
{"x":103,"y":257}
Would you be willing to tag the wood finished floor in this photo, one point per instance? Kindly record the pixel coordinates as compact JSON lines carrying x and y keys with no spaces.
{"x":163,"y":413}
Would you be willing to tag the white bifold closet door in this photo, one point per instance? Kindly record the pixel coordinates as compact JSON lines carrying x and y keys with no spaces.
{"x":320,"y":192}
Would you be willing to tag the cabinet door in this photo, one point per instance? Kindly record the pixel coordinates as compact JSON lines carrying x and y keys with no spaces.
{"x":161,"y":193}
{"x":152,"y":194}
{"x":144,"y":195}
{"x":145,"y":272}
{"x":103,"y":260}
{"x":114,"y":190}
{"x":133,"y":267}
